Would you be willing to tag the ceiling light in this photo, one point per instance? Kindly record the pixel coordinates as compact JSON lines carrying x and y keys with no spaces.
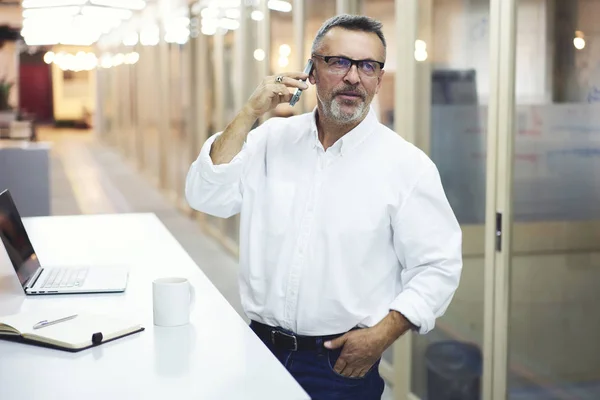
{"x":118,"y":59}
{"x":49,"y":57}
{"x":257,"y":15}
{"x":232,"y":13}
{"x":103,"y":12}
{"x":283,"y":61}
{"x":259,"y":54}
{"x":131,"y":39}
{"x":421,"y":55}
{"x":50,"y":12}
{"x":228,"y":23}
{"x":228,"y":3}
{"x":129,"y":4}
{"x":579,"y":40}
{"x":285,"y":50}
{"x":41,"y":41}
{"x":209,"y":29}
{"x":210,"y":23}
{"x":179,"y":36}
{"x":279,"y":5}
{"x":196,"y":8}
{"x":106,"y":61}
{"x":51,"y":3}
{"x":149,"y":36}
{"x":209,"y":13}
{"x":132,"y":58}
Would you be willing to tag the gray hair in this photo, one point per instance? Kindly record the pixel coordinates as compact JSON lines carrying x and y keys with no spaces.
{"x":351,"y":22}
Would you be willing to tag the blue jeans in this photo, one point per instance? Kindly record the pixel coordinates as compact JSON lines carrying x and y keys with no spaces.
{"x":313,"y":370}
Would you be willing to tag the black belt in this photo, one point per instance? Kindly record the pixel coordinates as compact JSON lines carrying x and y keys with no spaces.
{"x":285,"y":340}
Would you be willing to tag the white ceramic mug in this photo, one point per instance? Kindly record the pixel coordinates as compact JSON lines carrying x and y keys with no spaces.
{"x":173,"y":299}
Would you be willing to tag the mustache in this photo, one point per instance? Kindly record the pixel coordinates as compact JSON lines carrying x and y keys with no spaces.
{"x":350,"y":90}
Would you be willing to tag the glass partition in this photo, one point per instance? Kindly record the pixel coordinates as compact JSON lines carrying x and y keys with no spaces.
{"x":452,"y":53}
{"x":553,"y":327}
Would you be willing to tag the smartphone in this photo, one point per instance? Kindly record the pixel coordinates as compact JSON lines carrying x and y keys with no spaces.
{"x":298,"y":91}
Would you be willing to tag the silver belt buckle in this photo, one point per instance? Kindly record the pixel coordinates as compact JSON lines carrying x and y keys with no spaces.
{"x":294,"y":338}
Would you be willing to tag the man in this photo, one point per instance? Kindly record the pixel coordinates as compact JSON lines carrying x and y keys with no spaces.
{"x":347,"y":240}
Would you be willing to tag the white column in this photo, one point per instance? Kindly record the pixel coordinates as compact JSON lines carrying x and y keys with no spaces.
{"x":244,"y":63}
{"x":348,"y":7}
{"x":405,"y":95}
{"x":199,"y":84}
{"x":219,"y":87}
{"x":299,"y":17}
{"x":264,"y":39}
{"x":164,"y":115}
{"x":499,"y":196}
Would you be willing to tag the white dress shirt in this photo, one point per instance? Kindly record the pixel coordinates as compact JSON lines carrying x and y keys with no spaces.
{"x":334,"y":239}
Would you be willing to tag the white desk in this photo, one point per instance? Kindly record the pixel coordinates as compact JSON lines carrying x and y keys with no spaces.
{"x":216,"y":357}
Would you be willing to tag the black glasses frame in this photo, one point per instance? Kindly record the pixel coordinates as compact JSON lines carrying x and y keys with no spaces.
{"x":352,"y":62}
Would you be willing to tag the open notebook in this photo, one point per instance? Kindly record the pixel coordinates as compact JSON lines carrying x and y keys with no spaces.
{"x":83,"y":331}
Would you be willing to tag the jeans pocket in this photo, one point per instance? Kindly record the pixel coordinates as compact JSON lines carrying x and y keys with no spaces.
{"x":332,"y":357}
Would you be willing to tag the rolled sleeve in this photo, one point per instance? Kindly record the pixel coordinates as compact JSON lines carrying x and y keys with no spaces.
{"x":428,"y":243}
{"x":221,"y":174}
{"x":415,"y":309}
{"x":218,"y":189}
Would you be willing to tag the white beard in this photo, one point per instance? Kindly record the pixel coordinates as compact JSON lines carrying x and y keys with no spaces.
{"x":335,"y":110}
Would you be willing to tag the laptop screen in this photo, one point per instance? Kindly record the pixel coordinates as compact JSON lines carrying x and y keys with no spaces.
{"x":15,"y":239}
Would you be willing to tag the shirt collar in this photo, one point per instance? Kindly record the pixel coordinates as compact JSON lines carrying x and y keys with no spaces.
{"x":350,"y":139}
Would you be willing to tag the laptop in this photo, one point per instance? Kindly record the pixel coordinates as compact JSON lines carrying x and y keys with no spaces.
{"x":38,"y":279}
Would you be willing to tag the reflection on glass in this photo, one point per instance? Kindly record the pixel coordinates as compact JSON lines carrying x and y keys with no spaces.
{"x":555,"y":264}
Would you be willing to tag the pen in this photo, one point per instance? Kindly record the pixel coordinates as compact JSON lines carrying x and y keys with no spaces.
{"x":44,"y":323}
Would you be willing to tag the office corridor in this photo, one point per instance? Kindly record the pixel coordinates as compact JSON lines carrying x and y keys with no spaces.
{"x":89,"y":178}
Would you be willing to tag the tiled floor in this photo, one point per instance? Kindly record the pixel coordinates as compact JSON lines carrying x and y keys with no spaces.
{"x":89,"y":177}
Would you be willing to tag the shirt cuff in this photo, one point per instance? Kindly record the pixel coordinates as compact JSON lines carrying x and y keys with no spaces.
{"x":415,"y":309}
{"x":221,"y":174}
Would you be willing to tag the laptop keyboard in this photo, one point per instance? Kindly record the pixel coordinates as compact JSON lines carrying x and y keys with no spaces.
{"x":65,"y":277}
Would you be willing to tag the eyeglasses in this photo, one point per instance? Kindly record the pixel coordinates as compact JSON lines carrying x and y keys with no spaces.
{"x":341,"y":65}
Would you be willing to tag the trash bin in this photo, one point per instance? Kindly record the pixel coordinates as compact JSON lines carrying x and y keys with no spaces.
{"x":453,"y":371}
